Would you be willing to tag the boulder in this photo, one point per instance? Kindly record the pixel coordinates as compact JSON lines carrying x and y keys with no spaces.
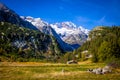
{"x":94,"y":71}
{"x":72,"y":62}
{"x":106,"y":69}
{"x":99,"y":71}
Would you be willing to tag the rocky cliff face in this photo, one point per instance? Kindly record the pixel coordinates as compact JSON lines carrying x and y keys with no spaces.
{"x":70,"y":33}
{"x":47,"y":29}
{"x":67,"y":33}
{"x":19,"y":42}
{"x":8,"y":15}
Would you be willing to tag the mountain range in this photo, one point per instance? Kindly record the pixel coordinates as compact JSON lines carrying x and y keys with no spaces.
{"x":30,"y":39}
{"x":47,"y":29}
{"x":67,"y":34}
{"x":72,"y":35}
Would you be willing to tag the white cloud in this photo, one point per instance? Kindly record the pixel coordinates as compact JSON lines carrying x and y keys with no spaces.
{"x":88,"y":22}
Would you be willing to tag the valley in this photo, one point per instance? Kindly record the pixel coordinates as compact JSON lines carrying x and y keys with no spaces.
{"x":34,"y":49}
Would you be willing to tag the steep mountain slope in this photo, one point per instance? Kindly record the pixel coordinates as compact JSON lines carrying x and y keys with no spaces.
{"x":8,"y":15}
{"x":67,"y":31}
{"x":22,"y":44}
{"x":103,"y":44}
{"x":47,"y":29}
{"x":70,"y":33}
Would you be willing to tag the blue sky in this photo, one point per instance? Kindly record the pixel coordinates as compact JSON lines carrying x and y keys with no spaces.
{"x":86,"y":13}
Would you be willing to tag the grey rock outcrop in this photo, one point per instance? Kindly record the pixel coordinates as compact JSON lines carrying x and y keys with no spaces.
{"x":72,"y":62}
{"x":103,"y":70}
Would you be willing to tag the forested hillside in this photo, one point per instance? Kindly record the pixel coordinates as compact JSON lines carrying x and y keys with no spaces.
{"x":103,"y":43}
{"x":23,"y":44}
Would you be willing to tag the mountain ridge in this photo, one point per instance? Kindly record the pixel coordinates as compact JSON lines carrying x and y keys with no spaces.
{"x":47,"y":29}
{"x":8,"y":15}
{"x":69,"y":34}
{"x":68,"y":31}
{"x":23,"y":44}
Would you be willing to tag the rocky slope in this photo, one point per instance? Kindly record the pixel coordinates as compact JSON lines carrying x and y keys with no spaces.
{"x":65,"y":31}
{"x":22,"y":44}
{"x":70,"y":33}
{"x":8,"y":15}
{"x":47,"y":29}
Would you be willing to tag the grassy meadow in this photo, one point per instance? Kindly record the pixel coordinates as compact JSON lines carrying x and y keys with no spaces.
{"x":52,"y":71}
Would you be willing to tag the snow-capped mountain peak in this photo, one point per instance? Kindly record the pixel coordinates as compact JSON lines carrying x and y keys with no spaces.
{"x":38,"y":22}
{"x":66,"y":31}
{"x":68,"y":25}
{"x":70,"y":33}
{"x":47,"y":29}
{"x":66,"y":28}
{"x":86,"y":31}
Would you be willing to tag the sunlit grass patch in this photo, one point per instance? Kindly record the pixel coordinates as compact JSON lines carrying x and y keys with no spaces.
{"x":50,"y":71}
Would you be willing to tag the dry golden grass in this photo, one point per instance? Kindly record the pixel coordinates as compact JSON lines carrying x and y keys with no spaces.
{"x":22,"y":64}
{"x":51,"y":71}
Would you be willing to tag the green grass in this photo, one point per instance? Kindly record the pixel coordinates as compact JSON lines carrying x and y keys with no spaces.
{"x":45,"y":71}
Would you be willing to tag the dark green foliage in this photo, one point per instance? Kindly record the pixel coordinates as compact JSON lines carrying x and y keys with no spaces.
{"x":104,"y":44}
{"x":66,"y":57}
{"x":22,"y":44}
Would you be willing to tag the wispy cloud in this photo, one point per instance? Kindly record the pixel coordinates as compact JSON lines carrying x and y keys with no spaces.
{"x":101,"y":21}
{"x":87,"y":22}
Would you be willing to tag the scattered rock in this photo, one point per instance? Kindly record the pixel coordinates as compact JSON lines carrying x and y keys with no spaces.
{"x":72,"y":62}
{"x":104,"y":70}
